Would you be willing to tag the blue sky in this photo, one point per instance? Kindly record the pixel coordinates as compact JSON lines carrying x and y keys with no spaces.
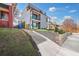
{"x":57,"y":10}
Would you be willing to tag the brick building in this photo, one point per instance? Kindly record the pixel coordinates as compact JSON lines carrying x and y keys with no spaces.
{"x":6,"y":16}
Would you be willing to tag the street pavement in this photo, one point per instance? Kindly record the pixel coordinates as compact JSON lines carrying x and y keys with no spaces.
{"x":47,"y":47}
{"x":72,"y":43}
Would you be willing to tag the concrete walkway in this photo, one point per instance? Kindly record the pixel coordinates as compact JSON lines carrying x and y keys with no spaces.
{"x":48,"y":47}
{"x":51,"y":35}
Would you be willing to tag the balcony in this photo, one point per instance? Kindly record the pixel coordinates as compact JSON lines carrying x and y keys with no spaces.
{"x":35,"y":20}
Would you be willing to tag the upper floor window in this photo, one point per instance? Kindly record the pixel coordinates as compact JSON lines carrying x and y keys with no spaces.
{"x":34,"y":16}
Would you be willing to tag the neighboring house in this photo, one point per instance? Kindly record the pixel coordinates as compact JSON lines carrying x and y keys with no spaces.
{"x":34,"y":17}
{"x":6,"y":18}
{"x":51,"y":24}
{"x":7,"y":14}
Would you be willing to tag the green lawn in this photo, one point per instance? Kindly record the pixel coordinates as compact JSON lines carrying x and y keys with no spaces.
{"x":14,"y":42}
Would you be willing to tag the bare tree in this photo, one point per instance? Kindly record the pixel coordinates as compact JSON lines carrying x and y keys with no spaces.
{"x":69,"y":25}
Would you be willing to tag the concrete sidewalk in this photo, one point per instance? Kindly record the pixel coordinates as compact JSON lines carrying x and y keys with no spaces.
{"x":49,"y":48}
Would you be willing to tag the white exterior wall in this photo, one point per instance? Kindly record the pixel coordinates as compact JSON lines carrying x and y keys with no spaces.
{"x":27,"y":17}
{"x":15,"y":21}
{"x":43,"y":23}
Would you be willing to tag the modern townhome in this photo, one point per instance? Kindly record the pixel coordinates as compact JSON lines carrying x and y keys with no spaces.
{"x":6,"y":14}
{"x":34,"y":17}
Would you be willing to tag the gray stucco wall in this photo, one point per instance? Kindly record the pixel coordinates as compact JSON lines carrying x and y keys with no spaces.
{"x":43,"y":23}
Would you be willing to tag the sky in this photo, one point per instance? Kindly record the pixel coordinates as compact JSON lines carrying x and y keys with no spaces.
{"x":57,"y":11}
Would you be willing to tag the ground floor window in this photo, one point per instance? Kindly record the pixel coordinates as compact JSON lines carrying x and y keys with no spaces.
{"x":35,"y":25}
{"x":3,"y":15}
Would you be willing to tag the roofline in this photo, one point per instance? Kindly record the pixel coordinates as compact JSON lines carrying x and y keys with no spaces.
{"x":36,"y":8}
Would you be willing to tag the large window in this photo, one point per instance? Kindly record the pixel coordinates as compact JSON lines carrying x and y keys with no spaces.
{"x":34,"y":16}
{"x":38,"y":17}
{"x":3,"y":16}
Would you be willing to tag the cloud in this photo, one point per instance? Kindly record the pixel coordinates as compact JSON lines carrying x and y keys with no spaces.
{"x":52,"y":9}
{"x":72,"y":11}
{"x":67,"y":17}
{"x":53,"y":17}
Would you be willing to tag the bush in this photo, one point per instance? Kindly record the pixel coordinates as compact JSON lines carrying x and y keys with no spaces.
{"x":59,"y":30}
{"x":56,"y":29}
{"x":23,"y":24}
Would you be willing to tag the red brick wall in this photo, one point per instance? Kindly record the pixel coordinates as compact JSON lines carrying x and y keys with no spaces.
{"x":10,"y":17}
{"x":4,"y":23}
{"x":9,"y":22}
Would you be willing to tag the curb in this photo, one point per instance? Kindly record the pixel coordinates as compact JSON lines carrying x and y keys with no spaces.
{"x":33,"y":43}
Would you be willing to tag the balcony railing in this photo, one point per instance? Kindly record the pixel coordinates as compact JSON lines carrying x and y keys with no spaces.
{"x":35,"y":20}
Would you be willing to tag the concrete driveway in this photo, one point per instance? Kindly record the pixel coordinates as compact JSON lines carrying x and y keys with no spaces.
{"x":51,"y":35}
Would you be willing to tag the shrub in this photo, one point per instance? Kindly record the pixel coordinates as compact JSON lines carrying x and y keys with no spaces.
{"x":59,"y":30}
{"x":56,"y":29}
{"x":23,"y":24}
